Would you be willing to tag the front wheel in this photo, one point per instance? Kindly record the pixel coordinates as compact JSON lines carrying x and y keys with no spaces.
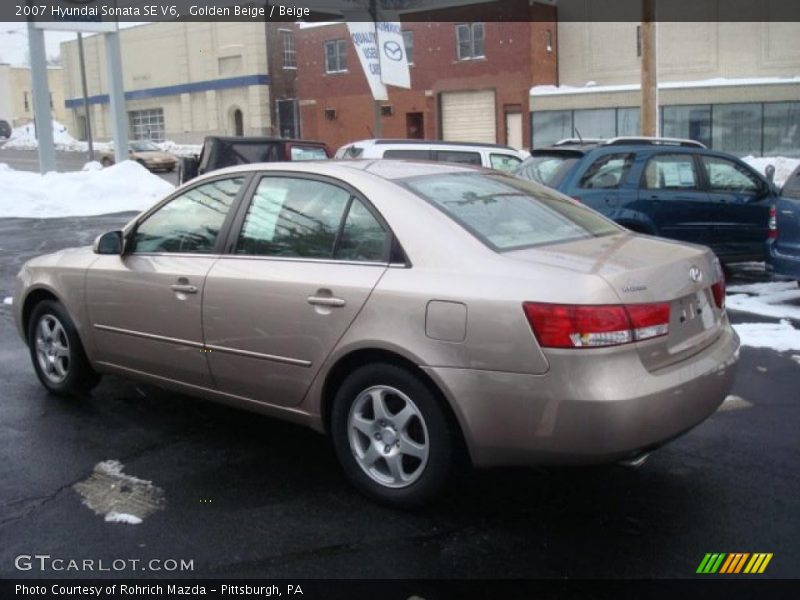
{"x":56,"y":351}
{"x":392,"y":435}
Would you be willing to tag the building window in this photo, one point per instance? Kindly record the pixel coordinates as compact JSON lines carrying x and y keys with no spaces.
{"x":692,"y":122}
{"x":289,"y":54}
{"x":470,"y":41}
{"x":25,"y":101}
{"x":549,"y":41}
{"x":628,"y":122}
{"x":782,"y":129}
{"x":550,"y":126}
{"x":595,"y":123}
{"x":336,"y":56}
{"x":147,"y":124}
{"x":408,"y":42}
{"x":736,"y":129}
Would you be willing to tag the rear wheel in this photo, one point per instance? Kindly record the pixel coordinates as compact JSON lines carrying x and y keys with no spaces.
{"x":392,"y":436}
{"x":56,"y":351}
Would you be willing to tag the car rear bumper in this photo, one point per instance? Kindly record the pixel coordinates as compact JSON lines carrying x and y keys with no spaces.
{"x":782,"y":264}
{"x":590,"y":409}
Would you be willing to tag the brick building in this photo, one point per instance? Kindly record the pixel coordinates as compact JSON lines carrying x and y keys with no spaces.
{"x":470,"y":79}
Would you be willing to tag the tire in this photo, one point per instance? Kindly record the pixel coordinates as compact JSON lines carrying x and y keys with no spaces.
{"x":421,"y":448}
{"x":57,"y":353}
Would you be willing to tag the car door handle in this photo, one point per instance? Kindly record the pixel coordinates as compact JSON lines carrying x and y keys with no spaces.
{"x":326,"y":301}
{"x":184,"y":288}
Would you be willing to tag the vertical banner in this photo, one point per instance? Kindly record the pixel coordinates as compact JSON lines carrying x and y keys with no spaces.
{"x":393,"y":59}
{"x":365,"y":41}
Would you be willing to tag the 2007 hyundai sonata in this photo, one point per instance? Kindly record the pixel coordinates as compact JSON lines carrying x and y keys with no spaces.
{"x":412,"y":311}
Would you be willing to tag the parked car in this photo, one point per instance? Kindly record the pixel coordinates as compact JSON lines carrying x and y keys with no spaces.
{"x":783,"y":246}
{"x":146,"y":153}
{"x":220,"y":152}
{"x":493,"y":156}
{"x":676,"y":189}
{"x":5,"y":129}
{"x":412,"y":311}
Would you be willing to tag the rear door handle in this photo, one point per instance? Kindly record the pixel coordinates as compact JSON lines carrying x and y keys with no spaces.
{"x":184,"y":288}
{"x":326,"y":301}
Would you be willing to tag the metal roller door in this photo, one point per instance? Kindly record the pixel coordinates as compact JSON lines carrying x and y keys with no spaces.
{"x":469,"y":116}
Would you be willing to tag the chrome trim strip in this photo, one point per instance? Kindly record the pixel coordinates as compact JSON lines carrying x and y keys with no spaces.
{"x":170,"y":340}
{"x":271,"y":357}
{"x":294,"y":259}
{"x":148,"y":336}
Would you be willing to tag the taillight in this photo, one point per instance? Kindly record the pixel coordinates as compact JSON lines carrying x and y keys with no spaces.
{"x":772,"y":223}
{"x":590,"y":326}
{"x":718,"y":289}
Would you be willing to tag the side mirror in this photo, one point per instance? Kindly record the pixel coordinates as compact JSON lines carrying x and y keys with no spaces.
{"x":770,"y":173}
{"x":109,"y":243}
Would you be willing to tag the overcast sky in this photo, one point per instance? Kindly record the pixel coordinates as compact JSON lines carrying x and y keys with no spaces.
{"x":14,"y":41}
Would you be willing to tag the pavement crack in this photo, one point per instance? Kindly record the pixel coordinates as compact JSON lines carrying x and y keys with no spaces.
{"x":34,"y":503}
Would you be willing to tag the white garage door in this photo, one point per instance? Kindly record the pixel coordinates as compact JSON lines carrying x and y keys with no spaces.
{"x":469,"y":117}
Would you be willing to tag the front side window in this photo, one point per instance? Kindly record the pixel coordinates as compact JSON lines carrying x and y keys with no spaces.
{"x":670,"y":172}
{"x":289,"y":54}
{"x":470,"y":39}
{"x":726,"y":176}
{"x":292,"y":217}
{"x":335,"y":56}
{"x":506,"y":213}
{"x":504,"y":162}
{"x":607,"y":172}
{"x":189,"y":223}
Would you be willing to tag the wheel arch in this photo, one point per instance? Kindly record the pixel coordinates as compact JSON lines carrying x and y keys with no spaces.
{"x":33,"y":298}
{"x":354,"y":359}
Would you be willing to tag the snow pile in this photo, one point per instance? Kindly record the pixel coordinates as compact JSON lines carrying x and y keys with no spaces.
{"x":781,"y":337}
{"x":783,"y":166}
{"x":24,"y":138}
{"x":126,"y":186}
{"x":179,"y":149}
{"x":780,"y":300}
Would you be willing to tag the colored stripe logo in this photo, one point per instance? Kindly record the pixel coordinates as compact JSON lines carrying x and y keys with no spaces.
{"x":734,"y":563}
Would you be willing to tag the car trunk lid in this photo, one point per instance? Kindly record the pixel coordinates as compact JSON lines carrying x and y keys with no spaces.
{"x":643,"y":270}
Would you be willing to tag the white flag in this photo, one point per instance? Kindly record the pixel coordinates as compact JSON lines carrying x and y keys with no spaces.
{"x":394,"y":62}
{"x":365,"y":41}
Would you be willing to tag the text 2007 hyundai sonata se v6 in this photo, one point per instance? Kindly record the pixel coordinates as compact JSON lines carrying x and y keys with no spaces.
{"x":411,"y":311}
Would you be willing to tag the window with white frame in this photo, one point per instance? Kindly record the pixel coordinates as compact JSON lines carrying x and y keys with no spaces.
{"x":147,"y":124}
{"x":470,"y":41}
{"x":408,"y":42}
{"x":289,"y":54}
{"x":335,"y":56}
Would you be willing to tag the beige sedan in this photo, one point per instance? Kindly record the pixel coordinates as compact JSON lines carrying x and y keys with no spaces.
{"x":145,"y":153}
{"x":414,"y":312}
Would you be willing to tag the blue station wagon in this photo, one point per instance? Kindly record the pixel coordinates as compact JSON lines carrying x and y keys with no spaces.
{"x":670,"y":188}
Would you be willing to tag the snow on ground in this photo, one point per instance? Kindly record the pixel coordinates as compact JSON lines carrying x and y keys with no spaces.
{"x":783,"y":166}
{"x":179,"y":149}
{"x":126,"y":186}
{"x":780,"y":300}
{"x":8,"y":300}
{"x":781,"y":337}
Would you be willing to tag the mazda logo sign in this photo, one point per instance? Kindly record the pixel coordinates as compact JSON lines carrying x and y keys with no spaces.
{"x":695,"y":274}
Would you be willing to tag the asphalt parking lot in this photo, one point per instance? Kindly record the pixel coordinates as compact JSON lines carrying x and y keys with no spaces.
{"x":248,"y":496}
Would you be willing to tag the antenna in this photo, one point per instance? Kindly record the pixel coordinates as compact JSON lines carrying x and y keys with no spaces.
{"x":578,"y":133}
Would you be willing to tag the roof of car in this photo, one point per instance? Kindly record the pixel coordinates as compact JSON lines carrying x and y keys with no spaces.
{"x":584,"y":145}
{"x":258,"y":139}
{"x":404,"y":142}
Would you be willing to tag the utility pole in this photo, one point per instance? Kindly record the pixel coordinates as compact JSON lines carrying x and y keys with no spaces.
{"x":376,"y":105}
{"x":649,"y":112}
{"x":88,"y":119}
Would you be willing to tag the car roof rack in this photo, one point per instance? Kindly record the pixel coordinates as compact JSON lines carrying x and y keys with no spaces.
{"x":578,"y":141}
{"x":652,"y":141}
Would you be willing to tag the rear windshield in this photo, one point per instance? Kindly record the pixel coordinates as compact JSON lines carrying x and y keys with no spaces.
{"x":549,"y":169}
{"x":307,"y":153}
{"x":507,"y":213}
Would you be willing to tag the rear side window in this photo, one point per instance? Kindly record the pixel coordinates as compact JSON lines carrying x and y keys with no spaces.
{"x":549,"y":169}
{"x":727,"y":176}
{"x":504,"y":162}
{"x":507,"y":213}
{"x":457,"y":156}
{"x":408,"y":154}
{"x":293,"y":217}
{"x":307,"y":153}
{"x":363,"y":237}
{"x":670,"y":172}
{"x":607,"y":172}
